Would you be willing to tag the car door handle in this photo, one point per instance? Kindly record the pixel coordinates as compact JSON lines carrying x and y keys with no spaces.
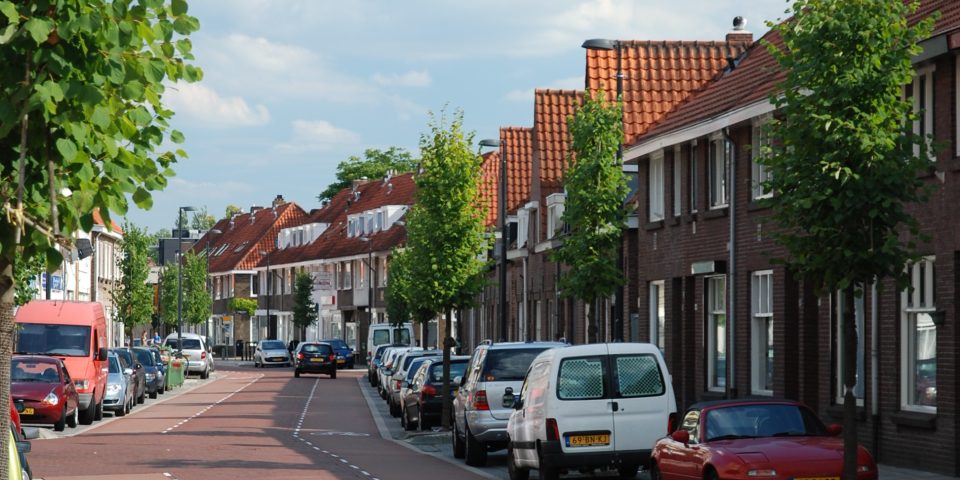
{"x":615,"y":406}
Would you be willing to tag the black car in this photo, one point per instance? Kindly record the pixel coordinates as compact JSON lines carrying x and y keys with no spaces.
{"x":153,"y":377}
{"x":127,"y":360}
{"x":314,"y":357}
{"x":422,"y":405}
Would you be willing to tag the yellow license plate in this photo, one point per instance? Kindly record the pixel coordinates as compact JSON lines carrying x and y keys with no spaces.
{"x":340,"y":360}
{"x":316,"y":360}
{"x":28,"y":411}
{"x":588,"y":440}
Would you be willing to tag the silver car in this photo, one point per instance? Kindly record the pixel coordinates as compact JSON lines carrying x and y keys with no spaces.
{"x":120,"y":389}
{"x":195,"y":350}
{"x":403,"y":374}
{"x":271,"y":352}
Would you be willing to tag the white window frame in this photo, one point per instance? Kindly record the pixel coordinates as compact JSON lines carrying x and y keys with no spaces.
{"x":716,"y":301}
{"x":523,"y":227}
{"x":555,"y":204}
{"x":693,"y":183}
{"x":677,"y":180}
{"x":718,"y":164}
{"x":655,"y":208}
{"x":658,"y":314}
{"x":859,"y":312}
{"x":926,"y":120}
{"x":919,"y":299}
{"x":759,"y":173}
{"x":762,"y":324}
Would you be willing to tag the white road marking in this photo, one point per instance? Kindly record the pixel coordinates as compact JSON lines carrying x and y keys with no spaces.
{"x":208,"y":407}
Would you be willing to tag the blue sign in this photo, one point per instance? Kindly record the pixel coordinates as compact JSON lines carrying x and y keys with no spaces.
{"x":57,"y":282}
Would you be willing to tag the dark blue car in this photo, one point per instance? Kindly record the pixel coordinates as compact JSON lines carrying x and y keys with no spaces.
{"x":343,"y":351}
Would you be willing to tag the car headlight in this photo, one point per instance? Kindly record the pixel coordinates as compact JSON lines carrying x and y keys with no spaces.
{"x":762,"y":472}
{"x":113,"y":388}
{"x":51,"y":399}
{"x":151,"y":376}
{"x":81,"y":384}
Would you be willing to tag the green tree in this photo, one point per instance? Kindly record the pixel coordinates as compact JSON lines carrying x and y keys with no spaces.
{"x":445,"y":230}
{"x":25,"y":271}
{"x":397,"y":294}
{"x":81,"y":111}
{"x":843,"y":168}
{"x":155,"y":238}
{"x":304,"y":308}
{"x":375,"y":164}
{"x":593,"y":210}
{"x":201,"y":220}
{"x":132,"y":297}
{"x":243,"y":305}
{"x":196,"y":298}
{"x":232,"y":210}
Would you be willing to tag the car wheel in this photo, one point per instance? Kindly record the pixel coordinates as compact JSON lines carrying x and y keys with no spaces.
{"x":712,"y":475}
{"x":62,"y":423}
{"x":548,"y":472}
{"x":163,"y":387}
{"x":394,"y":409}
{"x":476,"y":453}
{"x":296,"y":373}
{"x":654,"y":471}
{"x":628,"y":470}
{"x":142,"y":397}
{"x":153,"y":394}
{"x":421,"y":423}
{"x":88,"y":415}
{"x":123,"y":409}
{"x":98,"y":410}
{"x":516,"y":473}
{"x":73,"y":419}
{"x":406,"y":423}
{"x":459,"y":449}
{"x":333,"y":374}
{"x":205,"y":374}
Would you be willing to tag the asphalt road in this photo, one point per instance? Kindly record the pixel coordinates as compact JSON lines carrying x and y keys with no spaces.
{"x":243,"y":423}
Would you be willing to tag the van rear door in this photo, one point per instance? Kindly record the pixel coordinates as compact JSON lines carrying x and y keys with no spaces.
{"x":584,"y":412}
{"x":643,"y":395}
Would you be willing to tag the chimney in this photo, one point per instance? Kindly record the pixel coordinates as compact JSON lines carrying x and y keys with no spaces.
{"x":278,"y":201}
{"x":254,"y":208}
{"x":739,"y":34}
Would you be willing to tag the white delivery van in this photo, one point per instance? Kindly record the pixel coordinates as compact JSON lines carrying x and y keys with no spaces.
{"x":598,"y":406}
{"x":388,"y":334}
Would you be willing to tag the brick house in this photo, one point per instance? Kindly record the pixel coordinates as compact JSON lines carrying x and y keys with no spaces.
{"x":732,"y":324}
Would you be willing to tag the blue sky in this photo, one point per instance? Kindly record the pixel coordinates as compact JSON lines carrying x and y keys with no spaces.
{"x":293,"y":87}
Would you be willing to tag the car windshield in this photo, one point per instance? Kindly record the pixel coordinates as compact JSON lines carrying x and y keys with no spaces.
{"x":126,"y":356}
{"x":188,"y":343}
{"x":761,"y":420}
{"x":273,"y":345}
{"x":66,"y":340}
{"x":33,"y":371}
{"x":144,"y":357}
{"x":456,"y":370}
{"x":114,"y":364}
{"x":508,"y":364}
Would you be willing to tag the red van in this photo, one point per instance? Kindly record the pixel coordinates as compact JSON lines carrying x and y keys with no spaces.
{"x":75,"y":332}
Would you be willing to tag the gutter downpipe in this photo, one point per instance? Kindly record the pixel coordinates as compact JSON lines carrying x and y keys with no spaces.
{"x":874,"y":366}
{"x":731,"y":269}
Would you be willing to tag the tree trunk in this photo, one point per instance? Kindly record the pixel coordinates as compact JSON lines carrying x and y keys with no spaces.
{"x":7,"y":304}
{"x":849,"y":371}
{"x":445,"y":390}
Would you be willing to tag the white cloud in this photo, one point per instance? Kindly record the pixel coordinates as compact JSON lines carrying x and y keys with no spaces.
{"x":313,"y":135}
{"x":197,"y":102}
{"x":526,"y":95}
{"x":409,"y":79}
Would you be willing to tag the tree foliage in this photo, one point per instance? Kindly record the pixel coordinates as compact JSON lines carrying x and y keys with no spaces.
{"x":133,"y":297}
{"x":196,"y":298}
{"x":304,"y":308}
{"x":201,"y":220}
{"x":593,"y":209}
{"x":243,"y":305}
{"x":26,"y":276}
{"x":232,"y":210}
{"x":374,"y":164}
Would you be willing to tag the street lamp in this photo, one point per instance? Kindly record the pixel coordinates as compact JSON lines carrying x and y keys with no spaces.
{"x":180,"y":276}
{"x":269,"y":287}
{"x":504,"y":234}
{"x":607,"y":44}
{"x":370,"y":279}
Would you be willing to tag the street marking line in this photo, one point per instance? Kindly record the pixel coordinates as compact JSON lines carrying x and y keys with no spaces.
{"x":208,"y":407}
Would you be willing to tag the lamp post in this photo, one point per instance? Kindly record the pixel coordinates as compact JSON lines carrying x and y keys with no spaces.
{"x":607,"y":44}
{"x":180,"y":277}
{"x":210,"y":233}
{"x":362,"y":335}
{"x":504,"y":234}
{"x":269,"y":288}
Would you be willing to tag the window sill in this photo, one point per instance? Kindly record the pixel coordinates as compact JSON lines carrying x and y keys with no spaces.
{"x":835,"y":411}
{"x":716,"y":213}
{"x":653,"y":225}
{"x":921,"y":420}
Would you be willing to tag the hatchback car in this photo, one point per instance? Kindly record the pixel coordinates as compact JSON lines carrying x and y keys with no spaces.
{"x":127,"y":360}
{"x":271,"y":352}
{"x":374,"y":364}
{"x":314,"y":357}
{"x":402,"y":367}
{"x":345,"y":358}
{"x":46,"y":390}
{"x":387,"y":368}
{"x":422,"y":403}
{"x":195,"y":350}
{"x":745,"y":439}
{"x":152,"y":374}
{"x":120,"y":397}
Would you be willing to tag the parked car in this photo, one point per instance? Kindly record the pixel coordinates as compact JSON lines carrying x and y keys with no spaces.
{"x":161,"y":368}
{"x":596,"y":406}
{"x":315,"y":357}
{"x":195,"y":350}
{"x":406,"y":382}
{"x":785,"y":440}
{"x":44,"y":387}
{"x":386,"y":368}
{"x":343,"y":351}
{"x":422,"y":403}
{"x":402,"y":366}
{"x":16,"y":448}
{"x":388,"y":334}
{"x":374,"y":364}
{"x":479,"y":424}
{"x":152,"y":375}
{"x":271,"y":352}
{"x":21,"y":444}
{"x":121,"y":387}
{"x":128,"y":360}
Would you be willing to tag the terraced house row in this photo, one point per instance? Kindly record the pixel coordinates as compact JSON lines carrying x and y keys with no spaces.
{"x":696,"y":251}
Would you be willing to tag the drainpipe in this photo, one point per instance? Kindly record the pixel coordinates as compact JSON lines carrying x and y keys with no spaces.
{"x":874,"y":368}
{"x":731,"y":269}
{"x":526,"y":304}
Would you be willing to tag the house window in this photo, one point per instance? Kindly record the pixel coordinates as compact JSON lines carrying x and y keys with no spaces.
{"x":554,"y":214}
{"x":918,"y":365}
{"x":677,"y":164}
{"x":716,"y":333}
{"x":658,"y":315}
{"x":759,"y":173}
{"x":921,"y":90}
{"x":720,"y":152}
{"x":858,"y":312}
{"x":655,"y":186}
{"x":523,"y":225}
{"x":692,"y":181}
{"x":254,"y":285}
{"x":346,"y":276}
{"x":762,"y":329}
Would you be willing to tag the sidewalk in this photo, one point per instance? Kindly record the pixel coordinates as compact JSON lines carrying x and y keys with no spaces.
{"x":893,"y":473}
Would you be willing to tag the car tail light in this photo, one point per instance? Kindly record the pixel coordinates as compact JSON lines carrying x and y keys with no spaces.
{"x":428,"y":391}
{"x":553,"y":431}
{"x":300,"y":356}
{"x":480,"y":400}
{"x":396,"y":384}
{"x":670,"y":421}
{"x":203,"y":355}
{"x":331,"y":357}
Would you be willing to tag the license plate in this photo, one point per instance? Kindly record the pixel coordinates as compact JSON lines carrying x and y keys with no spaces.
{"x":318,"y":360}
{"x":28,"y":411}
{"x":340,"y":360}
{"x":588,"y":440}
{"x":277,"y":359}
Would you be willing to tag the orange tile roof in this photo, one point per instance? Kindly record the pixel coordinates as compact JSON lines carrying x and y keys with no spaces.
{"x":246,"y":234}
{"x":489,"y":186}
{"x":518,"y":144}
{"x":658,"y":76}
{"x":551,"y":110}
{"x":98,"y":220}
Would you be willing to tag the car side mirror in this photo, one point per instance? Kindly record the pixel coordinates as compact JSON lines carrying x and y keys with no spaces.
{"x":681,"y":436}
{"x":834,"y":429}
{"x":102,"y":354}
{"x":128,"y":371}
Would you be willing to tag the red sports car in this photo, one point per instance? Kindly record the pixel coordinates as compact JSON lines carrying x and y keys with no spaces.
{"x":45,"y":387}
{"x":751,"y":439}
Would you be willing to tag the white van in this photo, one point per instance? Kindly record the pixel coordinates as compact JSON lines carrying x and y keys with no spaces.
{"x":589,"y":406}
{"x":388,"y":334}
